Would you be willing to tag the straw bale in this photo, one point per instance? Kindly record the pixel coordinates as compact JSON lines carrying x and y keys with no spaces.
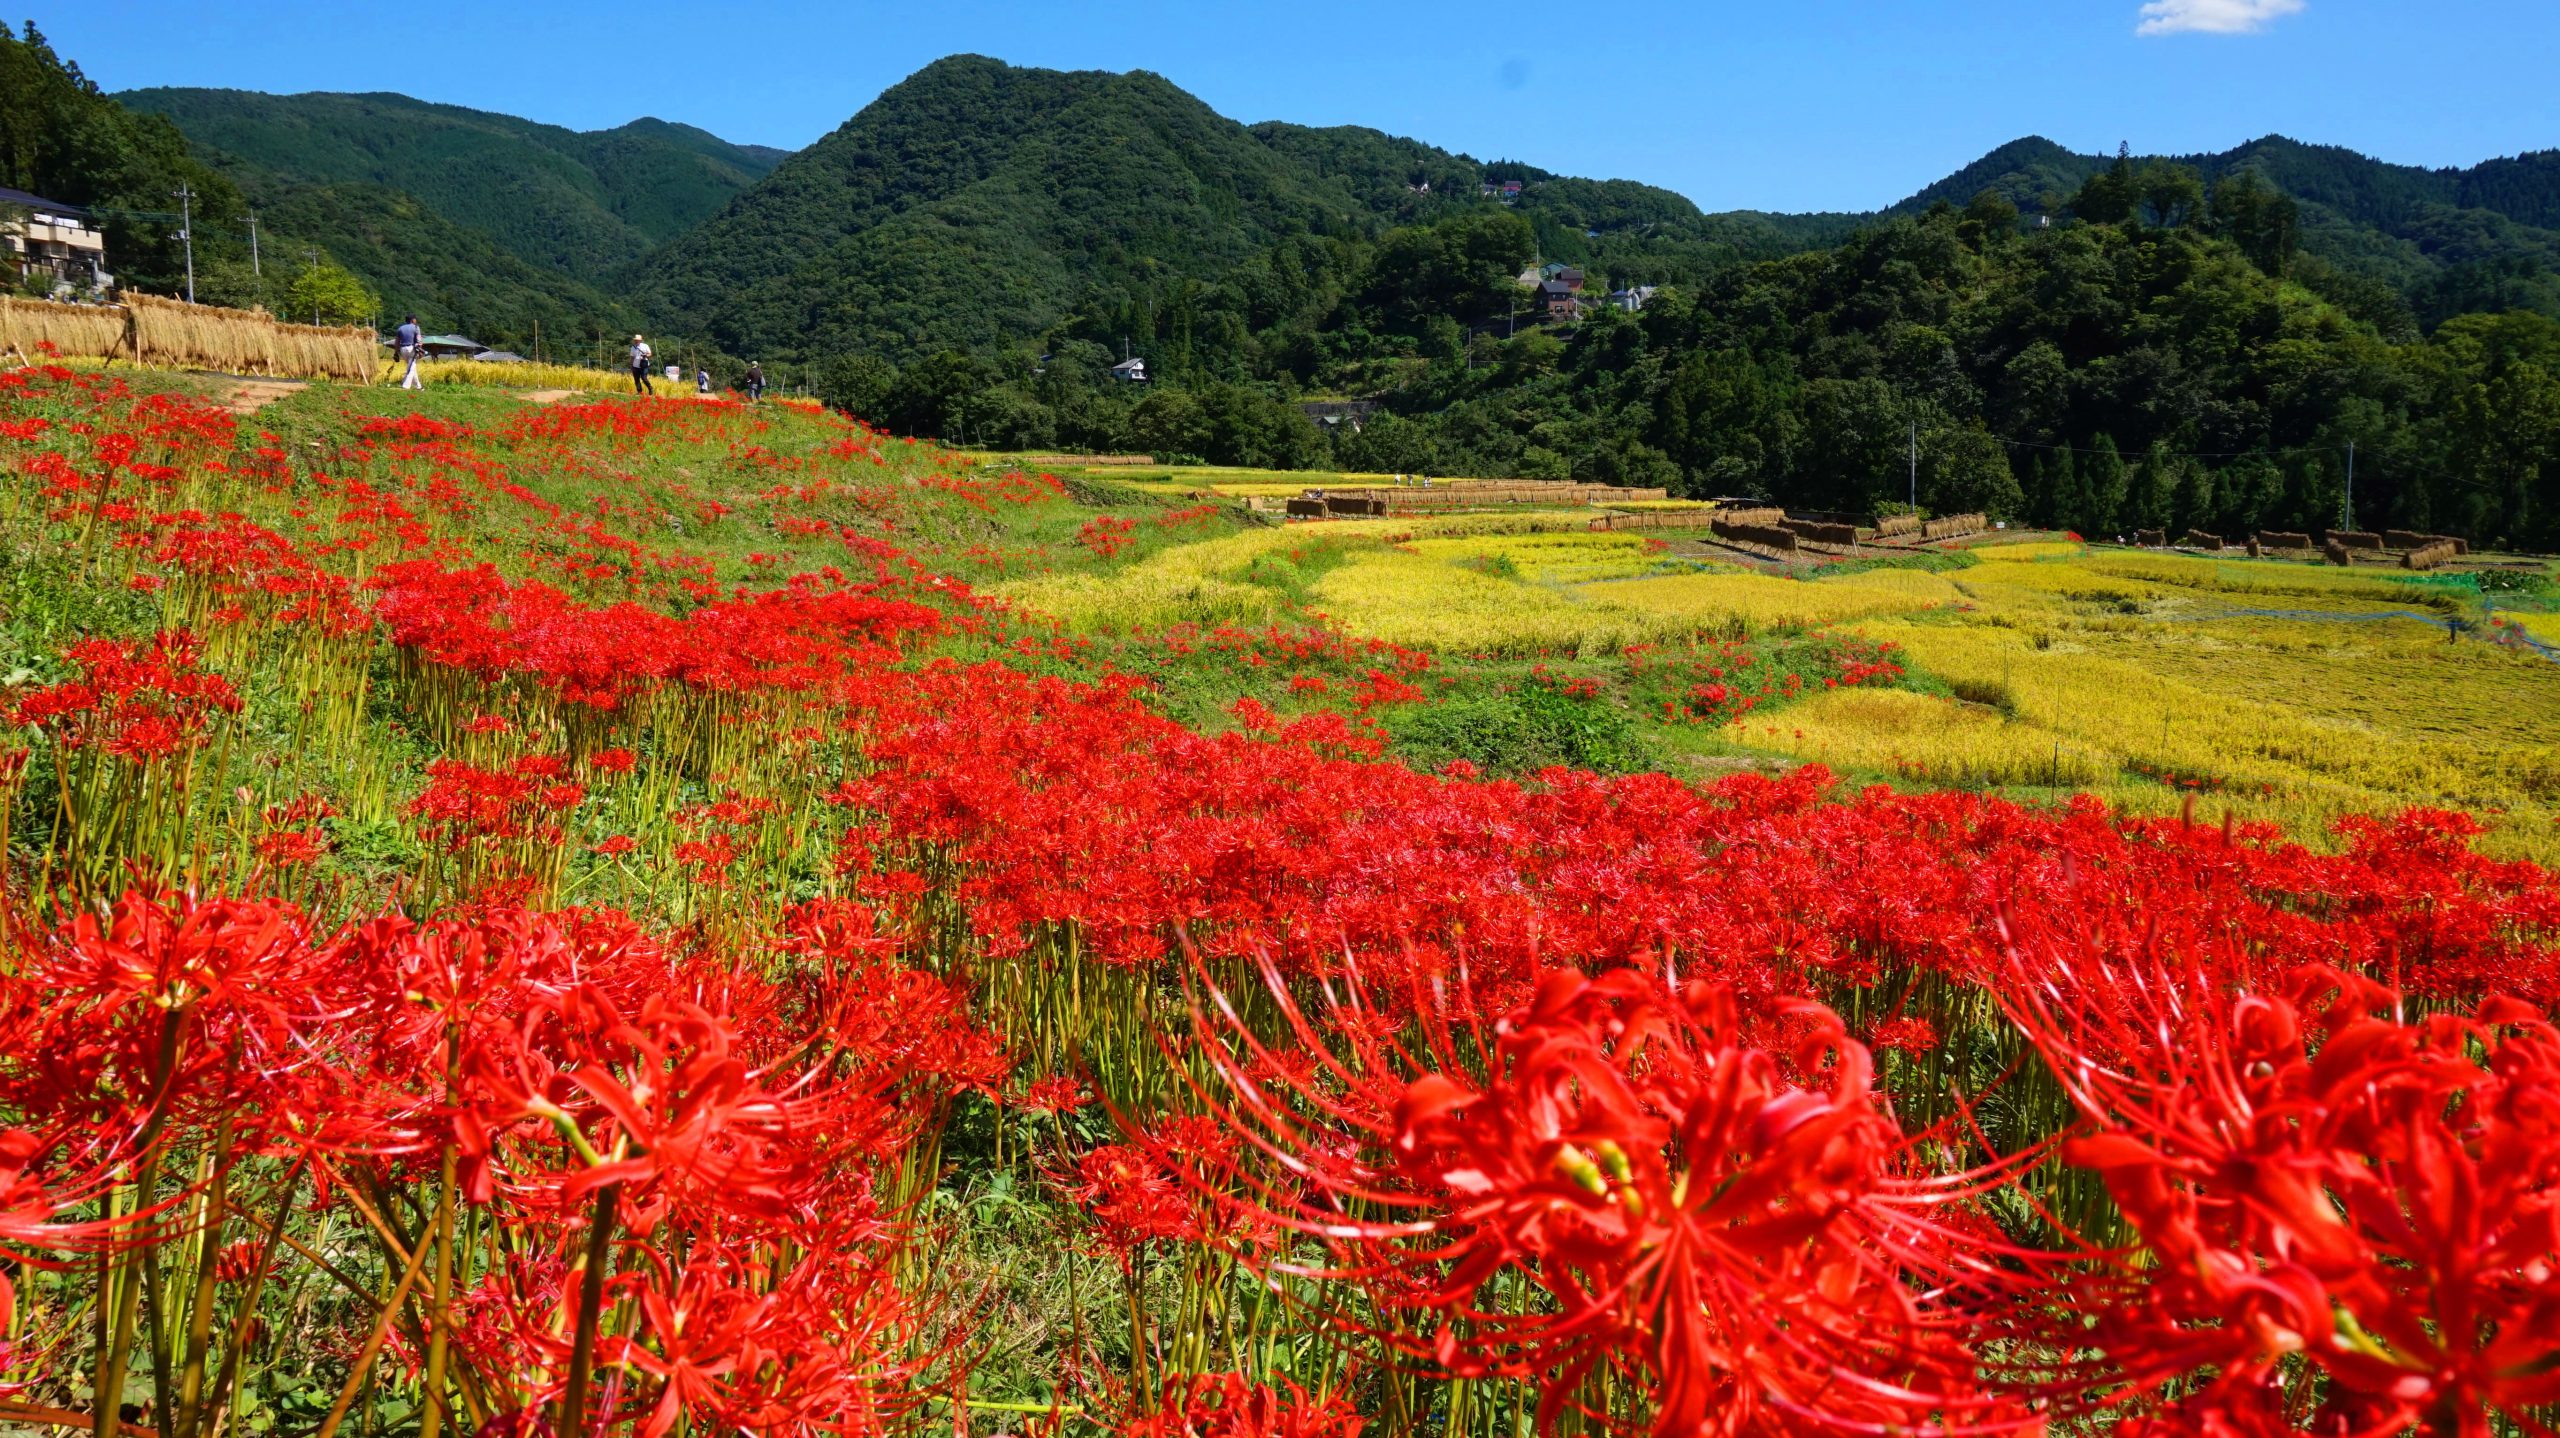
{"x":181,"y":335}
{"x":74,"y":331}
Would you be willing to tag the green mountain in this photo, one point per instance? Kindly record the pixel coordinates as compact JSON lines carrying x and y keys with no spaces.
{"x":576,"y":203}
{"x":455,"y":278}
{"x":2450,"y":240}
{"x":976,"y":202}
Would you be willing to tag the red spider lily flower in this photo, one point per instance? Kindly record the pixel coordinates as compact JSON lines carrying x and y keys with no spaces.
{"x":1230,"y":1405}
{"x":145,"y":700}
{"x":1745,"y":1231}
{"x":2314,"y":1178}
{"x":1131,"y":1199}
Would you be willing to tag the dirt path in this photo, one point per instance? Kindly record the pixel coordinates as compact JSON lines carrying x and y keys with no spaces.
{"x":248,"y":396}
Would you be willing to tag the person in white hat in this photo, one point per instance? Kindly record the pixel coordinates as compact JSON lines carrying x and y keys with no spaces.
{"x":640,"y":367}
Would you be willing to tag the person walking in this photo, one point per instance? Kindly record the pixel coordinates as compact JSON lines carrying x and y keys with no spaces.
{"x":640,"y":357}
{"x":702,"y":381}
{"x":405,"y":341}
{"x":755,"y":380}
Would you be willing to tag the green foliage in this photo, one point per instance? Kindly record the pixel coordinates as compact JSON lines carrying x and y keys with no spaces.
{"x":578,"y":204}
{"x":1515,"y":730}
{"x":324,"y":294}
{"x":2099,"y":343}
{"x":63,"y":139}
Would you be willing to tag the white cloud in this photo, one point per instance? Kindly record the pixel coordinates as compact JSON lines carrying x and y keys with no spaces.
{"x":2213,"y":17}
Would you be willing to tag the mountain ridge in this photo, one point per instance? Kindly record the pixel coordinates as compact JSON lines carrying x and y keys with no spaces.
{"x":976,"y":201}
{"x":580,"y":202}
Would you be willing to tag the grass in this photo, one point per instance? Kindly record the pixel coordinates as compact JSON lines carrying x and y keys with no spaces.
{"x":1548,"y":558}
{"x":1738,"y":601}
{"x":2045,"y":666}
{"x":2260,"y":718}
{"x":2028,"y":550}
{"x":524,"y":376}
{"x":1932,"y":738}
{"x":1426,"y":601}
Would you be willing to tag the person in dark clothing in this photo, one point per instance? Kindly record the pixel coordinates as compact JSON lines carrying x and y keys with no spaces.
{"x":640,"y":358}
{"x":755,"y":380}
{"x":406,"y":339}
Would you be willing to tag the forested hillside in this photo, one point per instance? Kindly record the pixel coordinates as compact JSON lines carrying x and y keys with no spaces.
{"x":2068,"y":339}
{"x":62,"y":139}
{"x":581,"y":204}
{"x":2448,"y":242}
{"x":2160,"y":367}
{"x":976,"y":203}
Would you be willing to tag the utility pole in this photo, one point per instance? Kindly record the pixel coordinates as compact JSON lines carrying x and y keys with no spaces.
{"x":312,"y":253}
{"x":2350,"y":514}
{"x":186,"y":233}
{"x":1915,"y":466}
{"x":254,"y":271}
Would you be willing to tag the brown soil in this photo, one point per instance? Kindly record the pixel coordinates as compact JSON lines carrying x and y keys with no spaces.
{"x":248,"y":396}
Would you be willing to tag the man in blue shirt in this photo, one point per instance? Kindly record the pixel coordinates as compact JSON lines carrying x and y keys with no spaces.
{"x":407,"y":338}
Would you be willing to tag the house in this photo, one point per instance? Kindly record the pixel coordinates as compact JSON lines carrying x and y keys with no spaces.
{"x":1632,"y":298}
{"x":1529,"y":278}
{"x":1506,"y":191}
{"x":1571,"y":278}
{"x":52,"y":238}
{"x":1131,"y":371}
{"x":1338,"y":413}
{"x":451,"y":347}
{"x":1559,"y":300}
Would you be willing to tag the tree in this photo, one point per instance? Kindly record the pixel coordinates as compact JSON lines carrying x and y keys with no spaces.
{"x":2264,"y":222}
{"x":1464,"y":267}
{"x":2154,"y":497}
{"x":324,"y":294}
{"x":2172,"y":195}
{"x":2109,"y":196}
{"x":2107,"y":484}
{"x":858,"y":385}
{"x":1992,"y":214}
{"x":1387,"y":444}
{"x":1963,"y":469}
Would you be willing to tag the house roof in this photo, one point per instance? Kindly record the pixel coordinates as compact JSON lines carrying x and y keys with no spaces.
{"x":1554,"y":287}
{"x":1131,"y":363}
{"x":38,"y":202}
{"x":453,"y":342}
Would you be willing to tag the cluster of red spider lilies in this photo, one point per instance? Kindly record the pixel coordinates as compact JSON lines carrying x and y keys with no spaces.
{"x":475,"y":961}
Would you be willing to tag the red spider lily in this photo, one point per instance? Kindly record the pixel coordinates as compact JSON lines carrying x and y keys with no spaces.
{"x":1230,"y":1405}
{"x":732,"y":1345}
{"x":2316,"y":1179}
{"x":141,"y":701}
{"x":1131,"y":1199}
{"x":41,"y":1182}
{"x":1746,"y":1231}
{"x":465,"y":803}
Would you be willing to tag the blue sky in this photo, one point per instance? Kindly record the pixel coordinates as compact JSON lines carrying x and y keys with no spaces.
{"x":1792,"y":105}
